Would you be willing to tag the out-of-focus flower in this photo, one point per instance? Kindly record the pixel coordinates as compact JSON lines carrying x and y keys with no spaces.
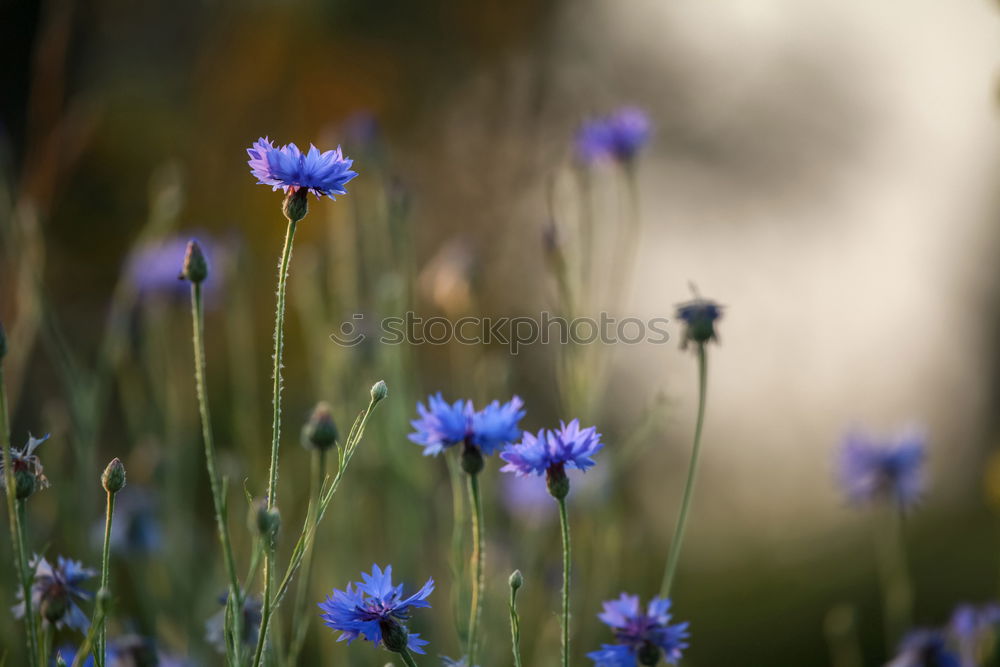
{"x":289,"y":169}
{"x":618,"y":136}
{"x":127,"y":651}
{"x":925,"y":648}
{"x":642,"y":637}
{"x":450,"y":662}
{"x":153,"y":267}
{"x":442,"y":424}
{"x":29,"y":476}
{"x":883,"y":471}
{"x":530,"y":502}
{"x":974,"y":629}
{"x":699,"y":316}
{"x":56,"y":591}
{"x":136,"y":528}
{"x":320,"y":432}
{"x":215,"y":627}
{"x":376,"y":610}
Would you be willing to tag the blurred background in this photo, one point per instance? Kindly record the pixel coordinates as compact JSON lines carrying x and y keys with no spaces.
{"x":825,"y":170}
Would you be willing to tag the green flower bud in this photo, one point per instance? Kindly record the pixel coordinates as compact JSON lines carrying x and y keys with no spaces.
{"x":267,"y":522}
{"x":320,"y":432}
{"x":557,"y":481}
{"x":296,"y":204}
{"x":195,"y":265}
{"x":516,"y":580}
{"x":379,"y":391}
{"x":54,"y":606}
{"x":472,"y":459}
{"x":394,"y":636}
{"x":25,"y":482}
{"x":648,"y":654}
{"x":113,"y":478}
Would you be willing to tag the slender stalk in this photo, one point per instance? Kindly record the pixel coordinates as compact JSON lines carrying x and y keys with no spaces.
{"x":478,"y":557}
{"x":91,"y":637}
{"x":678,"y":540}
{"x":17,"y":537}
{"x":218,"y":498}
{"x":407,"y":658}
{"x":27,"y":576}
{"x":455,"y":475}
{"x":515,"y":628}
{"x":894,"y":576}
{"x":102,"y":632}
{"x":47,"y":636}
{"x":567,"y":553}
{"x":272,"y":484}
{"x":300,"y":618}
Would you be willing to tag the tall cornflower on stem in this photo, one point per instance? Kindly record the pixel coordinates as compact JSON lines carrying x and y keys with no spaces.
{"x":549,"y":453}
{"x":195,"y":270}
{"x":441,"y":426}
{"x":298,"y":174}
{"x":888,"y":475}
{"x":113,"y":481}
{"x":699,"y":316}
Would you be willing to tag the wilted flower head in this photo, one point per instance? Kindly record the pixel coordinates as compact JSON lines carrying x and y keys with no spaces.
{"x":642,"y":637}
{"x":551,"y":451}
{"x":55,"y":592}
{"x":618,"y":136}
{"x":216,"y":625}
{"x":925,"y":648}
{"x":376,"y":610}
{"x":699,"y":316}
{"x":288,"y":168}
{"x":442,"y":425}
{"x":883,"y":471}
{"x":29,"y":475}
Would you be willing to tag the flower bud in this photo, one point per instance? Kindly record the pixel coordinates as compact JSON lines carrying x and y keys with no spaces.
{"x":379,"y":391}
{"x":54,"y":604}
{"x":113,"y":478}
{"x":3,"y":342}
{"x":394,"y":636}
{"x":25,"y":482}
{"x":516,"y":580}
{"x":195,"y":265}
{"x":296,"y":204}
{"x":472,"y":459}
{"x":648,"y":654}
{"x":267,"y":521}
{"x":320,"y":432}
{"x":557,"y":481}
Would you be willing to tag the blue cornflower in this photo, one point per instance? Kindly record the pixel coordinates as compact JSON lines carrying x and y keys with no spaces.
{"x":29,"y":476}
{"x":925,"y":648}
{"x":55,"y":592}
{"x":551,"y":451}
{"x":889,"y":471}
{"x":126,"y":651}
{"x":442,"y":424}
{"x":288,"y":168}
{"x":643,"y":637}
{"x":618,"y":136}
{"x":376,"y":610}
{"x":450,"y":662}
{"x":699,"y":316}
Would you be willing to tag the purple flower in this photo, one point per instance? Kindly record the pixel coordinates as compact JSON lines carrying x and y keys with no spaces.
{"x":442,"y":424}
{"x":973,"y":628}
{"x":925,"y":648}
{"x":642,"y":637}
{"x":152,"y":268}
{"x":136,"y":529}
{"x":449,"y":662}
{"x":288,"y":168}
{"x":888,"y":471}
{"x":55,"y":592}
{"x":29,"y":476}
{"x":618,"y":136}
{"x":568,"y":446}
{"x":376,"y":610}
{"x":126,"y":651}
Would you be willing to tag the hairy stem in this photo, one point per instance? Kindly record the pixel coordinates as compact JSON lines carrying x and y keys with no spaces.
{"x":567,"y":564}
{"x":478,"y":577}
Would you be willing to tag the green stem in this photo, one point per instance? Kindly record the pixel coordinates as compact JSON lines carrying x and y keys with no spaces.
{"x":272,"y":484}
{"x":567,"y":553}
{"x":894,"y":576}
{"x":20,"y":565}
{"x":478,"y":557}
{"x":677,"y":542}
{"x":102,"y":632}
{"x":407,"y":658}
{"x":300,"y":618}
{"x":455,"y":475}
{"x":27,"y":577}
{"x":218,"y":498}
{"x":91,"y":637}
{"x":515,"y":628}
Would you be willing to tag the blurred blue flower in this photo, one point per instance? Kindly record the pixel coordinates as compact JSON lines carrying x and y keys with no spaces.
{"x":618,"y":136}
{"x":883,"y":471}
{"x":975,"y":630}
{"x":152,"y":268}
{"x":29,"y":475}
{"x":925,"y":648}
{"x":553,"y":449}
{"x":288,"y":168}
{"x":55,"y":593}
{"x":376,"y":610}
{"x":461,"y":662}
{"x":126,"y":651}
{"x":699,"y":316}
{"x":530,"y":502}
{"x":442,"y":424}
{"x":136,"y":529}
{"x":216,"y":625}
{"x":643,"y":637}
